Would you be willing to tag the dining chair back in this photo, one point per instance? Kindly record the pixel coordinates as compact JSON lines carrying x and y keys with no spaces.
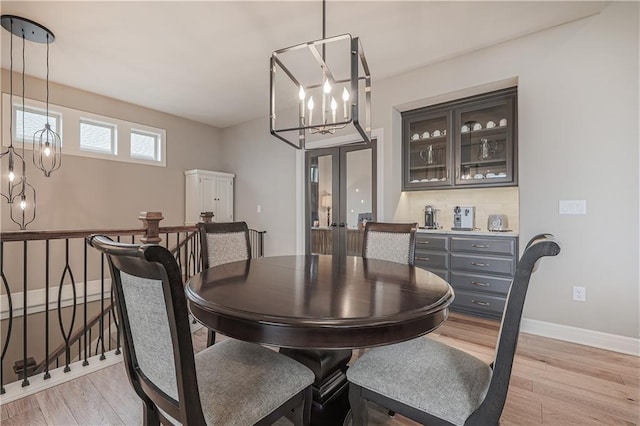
{"x":395,"y":242}
{"x":220,"y":243}
{"x":434,"y":383}
{"x":224,"y":242}
{"x":234,"y":382}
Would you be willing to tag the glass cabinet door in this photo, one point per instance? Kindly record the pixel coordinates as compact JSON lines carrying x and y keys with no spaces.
{"x":485,"y":143}
{"x":427,"y":150}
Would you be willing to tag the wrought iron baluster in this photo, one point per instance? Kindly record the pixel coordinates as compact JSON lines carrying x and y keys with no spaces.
{"x":87,"y":345}
{"x":115,"y":320}
{"x":5,"y":345}
{"x":47,"y":375}
{"x":178,"y":250}
{"x":25,"y":381}
{"x":102,"y":357}
{"x":67,"y":335}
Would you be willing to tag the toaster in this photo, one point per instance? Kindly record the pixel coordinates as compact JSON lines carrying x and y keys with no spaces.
{"x":498,"y":222}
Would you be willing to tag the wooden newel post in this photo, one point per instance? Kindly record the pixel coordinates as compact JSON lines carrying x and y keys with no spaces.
{"x":151,"y":222}
{"x":206,"y":217}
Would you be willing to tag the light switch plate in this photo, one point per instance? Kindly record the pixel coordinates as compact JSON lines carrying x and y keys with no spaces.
{"x":573,"y":207}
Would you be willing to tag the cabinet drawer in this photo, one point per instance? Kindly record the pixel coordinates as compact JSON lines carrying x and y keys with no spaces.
{"x":485,"y":264}
{"x":431,"y":242}
{"x":505,"y":246}
{"x":483,"y":283}
{"x":480,"y":303}
{"x":430,"y":259}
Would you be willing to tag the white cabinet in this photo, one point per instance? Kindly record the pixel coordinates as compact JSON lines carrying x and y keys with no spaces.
{"x":208,"y":191}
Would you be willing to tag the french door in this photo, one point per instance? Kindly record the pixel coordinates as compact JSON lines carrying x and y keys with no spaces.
{"x":340,"y":197}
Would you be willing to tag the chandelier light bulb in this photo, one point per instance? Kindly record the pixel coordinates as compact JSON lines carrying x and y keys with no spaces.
{"x":12,"y":176}
{"x":345,"y":94}
{"x":301,"y":94}
{"x":23,"y":203}
{"x":334,"y":108}
{"x":310,"y":104}
{"x":47,"y":150}
{"x":327,"y":87}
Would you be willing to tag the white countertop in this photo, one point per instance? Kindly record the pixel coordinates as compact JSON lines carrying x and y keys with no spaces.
{"x":478,"y":232}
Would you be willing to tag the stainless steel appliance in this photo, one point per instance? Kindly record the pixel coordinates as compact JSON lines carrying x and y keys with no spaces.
{"x":431,"y":217}
{"x":464,"y":218}
{"x":498,"y":223}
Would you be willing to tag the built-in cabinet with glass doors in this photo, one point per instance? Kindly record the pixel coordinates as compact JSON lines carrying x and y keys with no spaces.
{"x":465,"y":143}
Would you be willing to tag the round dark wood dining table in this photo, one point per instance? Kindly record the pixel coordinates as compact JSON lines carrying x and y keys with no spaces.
{"x":317,"y":308}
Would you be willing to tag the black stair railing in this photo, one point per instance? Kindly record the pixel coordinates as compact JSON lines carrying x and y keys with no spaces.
{"x":31,"y":262}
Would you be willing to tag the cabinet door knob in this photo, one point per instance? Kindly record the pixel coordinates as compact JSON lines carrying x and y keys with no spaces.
{"x":480,"y":264}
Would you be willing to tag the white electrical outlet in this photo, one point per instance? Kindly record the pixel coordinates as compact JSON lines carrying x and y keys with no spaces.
{"x":259,"y":209}
{"x":579,"y":293}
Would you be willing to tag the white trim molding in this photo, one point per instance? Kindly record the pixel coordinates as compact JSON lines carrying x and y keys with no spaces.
{"x":36,"y":299}
{"x":37,"y":383}
{"x":596,"y":339}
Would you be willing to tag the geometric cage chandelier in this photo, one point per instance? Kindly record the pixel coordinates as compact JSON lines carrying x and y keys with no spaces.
{"x":319,"y":88}
{"x":46,"y":142}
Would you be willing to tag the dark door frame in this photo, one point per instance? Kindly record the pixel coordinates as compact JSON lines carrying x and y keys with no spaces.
{"x":338,"y":186}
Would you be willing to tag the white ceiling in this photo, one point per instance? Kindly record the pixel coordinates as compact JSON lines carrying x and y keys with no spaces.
{"x":209,"y":61}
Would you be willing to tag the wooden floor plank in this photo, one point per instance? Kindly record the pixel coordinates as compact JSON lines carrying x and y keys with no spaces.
{"x":87,"y":404}
{"x":18,"y":407}
{"x":32,"y":417}
{"x":113,"y":385}
{"x":553,"y":383}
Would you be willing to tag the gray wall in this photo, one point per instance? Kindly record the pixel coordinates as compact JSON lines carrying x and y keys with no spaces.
{"x":93,"y":193}
{"x":265,"y":171}
{"x":578,"y":135}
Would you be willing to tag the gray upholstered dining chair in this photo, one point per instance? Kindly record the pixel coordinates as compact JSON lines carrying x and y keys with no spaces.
{"x":223,"y":242}
{"x":395,"y":242}
{"x":231,"y":383}
{"x":436,"y":384}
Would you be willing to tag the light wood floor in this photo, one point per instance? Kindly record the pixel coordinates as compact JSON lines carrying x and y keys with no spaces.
{"x":553,"y":383}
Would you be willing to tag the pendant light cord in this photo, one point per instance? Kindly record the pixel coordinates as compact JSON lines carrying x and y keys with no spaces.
{"x":47,"y":78}
{"x":11,"y":89}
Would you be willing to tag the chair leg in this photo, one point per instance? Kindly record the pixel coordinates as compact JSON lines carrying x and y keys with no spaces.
{"x":302,"y":411}
{"x":358,"y":405}
{"x":150,"y":415}
{"x":211,"y":337}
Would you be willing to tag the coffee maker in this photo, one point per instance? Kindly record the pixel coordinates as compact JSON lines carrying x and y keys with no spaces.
{"x":464,"y":218}
{"x":431,"y":217}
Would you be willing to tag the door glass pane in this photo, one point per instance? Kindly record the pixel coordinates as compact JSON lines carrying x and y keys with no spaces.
{"x":359,"y":198}
{"x":320,"y":199}
{"x":428,"y":158}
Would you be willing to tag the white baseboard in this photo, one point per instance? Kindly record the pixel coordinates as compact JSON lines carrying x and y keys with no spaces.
{"x":15,"y":391}
{"x":597,"y":339}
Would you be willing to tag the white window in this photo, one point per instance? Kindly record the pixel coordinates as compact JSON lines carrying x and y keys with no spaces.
{"x":26,"y":124}
{"x":86,"y":134}
{"x":97,"y":137}
{"x":145,"y":145}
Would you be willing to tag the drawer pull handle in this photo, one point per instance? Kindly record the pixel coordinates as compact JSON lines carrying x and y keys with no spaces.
{"x":477,"y":302}
{"x":424,"y":243}
{"x":480,"y":264}
{"x":480,"y":245}
{"x":422,"y":258}
{"x":480,"y":284}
